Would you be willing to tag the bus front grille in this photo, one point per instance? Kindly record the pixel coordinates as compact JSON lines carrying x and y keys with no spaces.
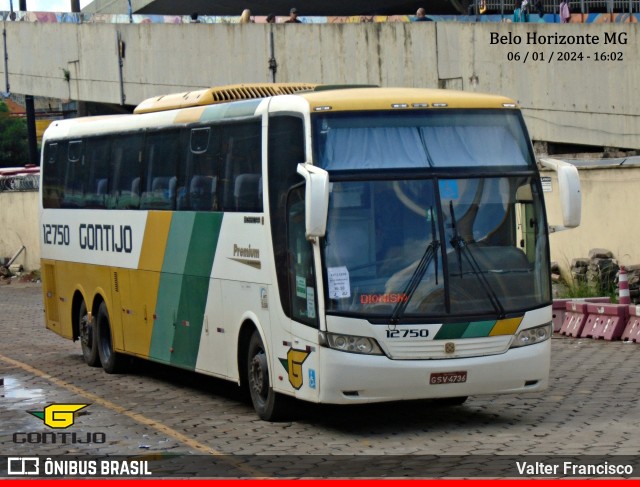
{"x":409,"y":349}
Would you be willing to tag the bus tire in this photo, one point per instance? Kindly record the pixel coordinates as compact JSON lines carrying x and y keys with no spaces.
{"x":88,"y":337}
{"x":111,"y":361}
{"x":269,"y":405}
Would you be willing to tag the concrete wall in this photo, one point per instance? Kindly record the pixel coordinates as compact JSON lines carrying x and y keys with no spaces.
{"x":580,"y":101}
{"x":609,"y":216}
{"x":19,"y":226}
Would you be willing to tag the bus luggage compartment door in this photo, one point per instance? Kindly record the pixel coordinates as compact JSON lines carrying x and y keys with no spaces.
{"x":49,"y":289}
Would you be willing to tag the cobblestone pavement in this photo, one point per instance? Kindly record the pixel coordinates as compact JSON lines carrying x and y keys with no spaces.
{"x":590,"y":408}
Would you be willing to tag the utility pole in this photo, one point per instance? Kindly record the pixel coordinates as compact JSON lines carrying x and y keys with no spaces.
{"x":6,"y":61}
{"x":273,"y":64}
{"x":121,"y":53}
{"x":31,"y":130}
{"x":31,"y":116}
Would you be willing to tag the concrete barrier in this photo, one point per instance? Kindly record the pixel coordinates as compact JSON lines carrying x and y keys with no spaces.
{"x":575,"y":318}
{"x":605,"y":321}
{"x":631,"y":332}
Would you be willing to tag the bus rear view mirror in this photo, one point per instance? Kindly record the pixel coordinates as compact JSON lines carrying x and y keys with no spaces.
{"x":569,"y":191}
{"x":316,"y":200}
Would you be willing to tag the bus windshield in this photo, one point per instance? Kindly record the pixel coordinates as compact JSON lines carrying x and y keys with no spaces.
{"x":419,"y":139}
{"x":491,"y":253}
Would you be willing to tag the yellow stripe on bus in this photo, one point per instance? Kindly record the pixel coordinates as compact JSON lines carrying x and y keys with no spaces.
{"x":506,"y":327}
{"x":143,"y":283}
{"x":156,"y":235}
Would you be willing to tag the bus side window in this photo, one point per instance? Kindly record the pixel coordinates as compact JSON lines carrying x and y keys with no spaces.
{"x":126,"y":169}
{"x":199,"y":194}
{"x":97,"y":162}
{"x":286,"y":150}
{"x":247,"y":192}
{"x":242,"y":171}
{"x":301,"y":267}
{"x":55,"y":158}
{"x":75,"y":176}
{"x":161,"y":166}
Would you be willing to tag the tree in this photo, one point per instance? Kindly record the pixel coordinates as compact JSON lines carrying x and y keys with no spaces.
{"x":14,"y":150}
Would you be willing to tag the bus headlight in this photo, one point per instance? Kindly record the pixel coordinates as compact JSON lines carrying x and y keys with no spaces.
{"x":531,"y":336}
{"x":350,"y":343}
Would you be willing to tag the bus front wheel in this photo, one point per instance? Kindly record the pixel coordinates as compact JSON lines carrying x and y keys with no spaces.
{"x":88,"y":341}
{"x":111,"y":361}
{"x":269,"y":405}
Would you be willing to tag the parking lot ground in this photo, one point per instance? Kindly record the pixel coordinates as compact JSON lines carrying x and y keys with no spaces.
{"x":590,"y":410}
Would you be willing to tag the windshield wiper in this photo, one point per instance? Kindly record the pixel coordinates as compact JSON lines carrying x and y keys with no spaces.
{"x":430,"y":253}
{"x":459,"y":243}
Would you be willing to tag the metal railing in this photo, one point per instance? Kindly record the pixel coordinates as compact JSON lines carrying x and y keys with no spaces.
{"x":27,"y":182}
{"x":576,"y":6}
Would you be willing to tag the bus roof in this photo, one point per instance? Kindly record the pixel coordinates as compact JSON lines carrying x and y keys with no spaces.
{"x":398,"y":98}
{"x":216,"y":104}
{"x":327,"y":97}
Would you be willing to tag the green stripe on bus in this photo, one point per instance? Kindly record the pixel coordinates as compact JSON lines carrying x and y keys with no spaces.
{"x":184,"y":286}
{"x":203,"y":243}
{"x":179,"y":243}
{"x":479,"y":329}
{"x":169,"y":290}
{"x":450,"y":331}
{"x":195,"y":288}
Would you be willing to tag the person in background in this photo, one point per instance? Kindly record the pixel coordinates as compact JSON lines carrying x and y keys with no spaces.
{"x":421,"y":15}
{"x":271,"y":19}
{"x":293,"y":17}
{"x":477,"y":7}
{"x":245,"y":18}
{"x":538,"y":5}
{"x":517,"y":11}
{"x":565,"y":13}
{"x":524,"y":11}
{"x":194,"y":18}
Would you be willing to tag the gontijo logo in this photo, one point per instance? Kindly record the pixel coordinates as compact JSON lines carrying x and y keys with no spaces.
{"x":58,"y":416}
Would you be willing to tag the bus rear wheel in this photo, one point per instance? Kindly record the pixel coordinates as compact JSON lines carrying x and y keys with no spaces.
{"x":88,"y":341}
{"x":269,"y":405}
{"x":111,"y":361}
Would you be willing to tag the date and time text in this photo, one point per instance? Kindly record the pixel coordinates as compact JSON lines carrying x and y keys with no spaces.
{"x":532,"y":47}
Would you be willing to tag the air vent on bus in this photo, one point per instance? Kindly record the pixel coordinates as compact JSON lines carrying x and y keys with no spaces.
{"x":220,"y":94}
{"x":115,"y":282}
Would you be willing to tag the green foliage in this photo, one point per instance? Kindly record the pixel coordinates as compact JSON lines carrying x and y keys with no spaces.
{"x":14,"y":149}
{"x":583,"y":289}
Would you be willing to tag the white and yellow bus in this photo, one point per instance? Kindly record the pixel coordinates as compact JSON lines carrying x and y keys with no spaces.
{"x":334,"y":245}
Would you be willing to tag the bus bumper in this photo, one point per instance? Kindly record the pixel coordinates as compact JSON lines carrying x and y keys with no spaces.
{"x":353,"y":378}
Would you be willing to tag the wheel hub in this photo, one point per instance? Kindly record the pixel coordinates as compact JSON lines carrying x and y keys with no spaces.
{"x":85,"y":331}
{"x":259,"y":380}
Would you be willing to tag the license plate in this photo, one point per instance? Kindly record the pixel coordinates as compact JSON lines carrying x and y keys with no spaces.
{"x":448,"y":377}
